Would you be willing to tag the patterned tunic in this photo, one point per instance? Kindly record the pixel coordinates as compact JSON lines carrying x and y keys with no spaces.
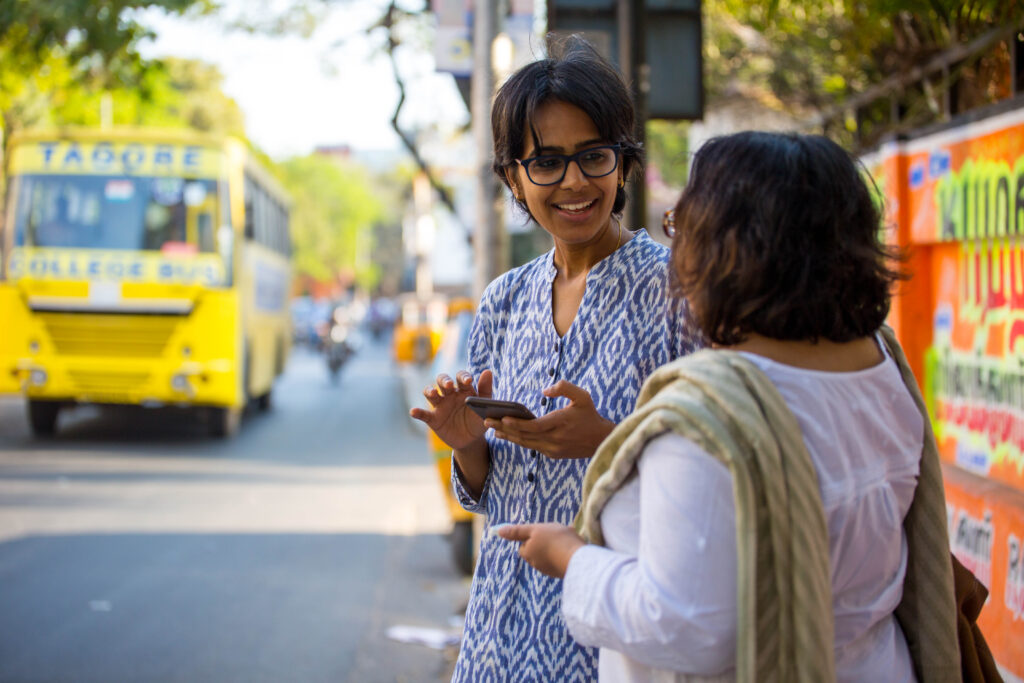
{"x":627,"y":325}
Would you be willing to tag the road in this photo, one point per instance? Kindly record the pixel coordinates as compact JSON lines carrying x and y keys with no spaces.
{"x":134,"y":548}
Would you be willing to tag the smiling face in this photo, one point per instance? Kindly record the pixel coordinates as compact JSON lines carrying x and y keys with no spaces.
{"x":576,"y":211}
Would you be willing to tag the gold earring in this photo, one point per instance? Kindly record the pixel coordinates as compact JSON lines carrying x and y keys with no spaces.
{"x":622,"y":182}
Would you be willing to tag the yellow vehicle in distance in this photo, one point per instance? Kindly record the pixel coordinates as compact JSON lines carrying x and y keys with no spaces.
{"x":452,"y":356}
{"x":421,"y":322}
{"x":142,"y":267}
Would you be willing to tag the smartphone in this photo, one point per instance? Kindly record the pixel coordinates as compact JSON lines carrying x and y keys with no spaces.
{"x":495,"y":409}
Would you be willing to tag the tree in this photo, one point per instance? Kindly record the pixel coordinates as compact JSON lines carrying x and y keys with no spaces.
{"x":57,"y":57}
{"x":334,"y":209}
{"x":817,"y":59}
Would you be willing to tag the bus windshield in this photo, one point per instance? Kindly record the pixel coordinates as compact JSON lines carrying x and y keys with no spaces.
{"x":165,"y":214}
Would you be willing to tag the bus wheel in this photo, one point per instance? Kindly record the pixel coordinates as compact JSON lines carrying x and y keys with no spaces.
{"x":462,"y":546}
{"x":224,"y":422}
{"x":263,"y":401}
{"x":42,"y":416}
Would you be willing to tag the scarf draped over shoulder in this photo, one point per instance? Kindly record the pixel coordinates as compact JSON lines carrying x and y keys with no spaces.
{"x":724,"y":403}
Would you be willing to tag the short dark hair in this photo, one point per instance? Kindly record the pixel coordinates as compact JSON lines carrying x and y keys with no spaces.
{"x":779,"y":235}
{"x":574,"y":73}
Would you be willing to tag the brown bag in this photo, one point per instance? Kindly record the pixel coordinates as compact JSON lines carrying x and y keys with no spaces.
{"x":976,"y":661}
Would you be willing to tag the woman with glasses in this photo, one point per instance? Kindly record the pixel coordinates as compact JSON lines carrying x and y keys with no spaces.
{"x":773,"y":509}
{"x":572,"y":335}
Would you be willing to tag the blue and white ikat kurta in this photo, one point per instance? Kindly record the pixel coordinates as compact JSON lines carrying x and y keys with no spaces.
{"x":627,"y":325}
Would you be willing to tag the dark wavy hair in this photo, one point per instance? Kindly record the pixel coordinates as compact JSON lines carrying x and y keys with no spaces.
{"x":779,"y":235}
{"x":574,"y":73}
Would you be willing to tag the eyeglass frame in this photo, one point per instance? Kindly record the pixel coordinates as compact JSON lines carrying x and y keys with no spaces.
{"x":568,"y":159}
{"x":668,"y":222}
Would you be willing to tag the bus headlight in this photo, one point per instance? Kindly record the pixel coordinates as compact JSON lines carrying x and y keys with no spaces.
{"x":37,"y":377}
{"x":180,"y":383}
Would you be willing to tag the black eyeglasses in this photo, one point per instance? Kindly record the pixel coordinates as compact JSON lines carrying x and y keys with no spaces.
{"x":549,"y":169}
{"x":668,"y":222}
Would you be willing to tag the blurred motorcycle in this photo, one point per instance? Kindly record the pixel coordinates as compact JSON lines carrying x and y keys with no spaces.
{"x":339,"y":343}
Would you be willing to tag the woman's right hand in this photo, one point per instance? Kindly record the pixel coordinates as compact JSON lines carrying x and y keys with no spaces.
{"x":448,"y":416}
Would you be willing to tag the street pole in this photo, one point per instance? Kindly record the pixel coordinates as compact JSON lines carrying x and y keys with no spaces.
{"x":630,"y":16}
{"x":486,"y":249}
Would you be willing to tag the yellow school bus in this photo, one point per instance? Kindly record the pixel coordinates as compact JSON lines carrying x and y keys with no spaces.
{"x":141,"y":267}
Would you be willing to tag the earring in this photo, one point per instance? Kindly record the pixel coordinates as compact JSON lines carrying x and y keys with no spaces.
{"x":622,"y":182}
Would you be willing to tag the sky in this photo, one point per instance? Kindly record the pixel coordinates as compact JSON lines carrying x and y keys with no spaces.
{"x":298,"y":93}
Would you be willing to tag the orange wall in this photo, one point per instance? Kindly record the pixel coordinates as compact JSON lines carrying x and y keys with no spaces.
{"x":955,"y":204}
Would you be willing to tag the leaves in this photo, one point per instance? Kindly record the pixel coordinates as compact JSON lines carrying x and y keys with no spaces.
{"x":334,"y":212}
{"x":807,"y":56}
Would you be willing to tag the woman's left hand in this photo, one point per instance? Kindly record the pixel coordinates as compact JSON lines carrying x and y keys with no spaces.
{"x":547,"y":547}
{"x":571,"y":432}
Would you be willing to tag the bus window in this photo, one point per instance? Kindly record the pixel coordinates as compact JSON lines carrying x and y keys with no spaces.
{"x":204,"y":226}
{"x":106,"y":212}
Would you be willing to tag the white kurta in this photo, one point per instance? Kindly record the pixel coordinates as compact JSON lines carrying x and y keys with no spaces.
{"x":660,"y":599}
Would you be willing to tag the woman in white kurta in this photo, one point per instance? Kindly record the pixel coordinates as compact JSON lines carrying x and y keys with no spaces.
{"x":777,"y":250}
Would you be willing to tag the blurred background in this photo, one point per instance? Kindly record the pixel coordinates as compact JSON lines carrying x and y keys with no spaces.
{"x":238,"y":239}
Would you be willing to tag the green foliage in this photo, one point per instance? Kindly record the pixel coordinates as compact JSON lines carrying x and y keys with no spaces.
{"x":668,"y":150}
{"x":805,"y":56}
{"x":334,"y":211}
{"x":100,"y":33}
{"x":63,"y":62}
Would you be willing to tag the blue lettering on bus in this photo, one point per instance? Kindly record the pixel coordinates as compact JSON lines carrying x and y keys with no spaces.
{"x":191,"y":158}
{"x":163,"y":156}
{"x":135,"y":269}
{"x":48,"y":149}
{"x":103,"y":155}
{"x":37,"y":267}
{"x":73,"y":155}
{"x":94,"y":268}
{"x":166,"y":271}
{"x":132,"y":157}
{"x":115,"y":269}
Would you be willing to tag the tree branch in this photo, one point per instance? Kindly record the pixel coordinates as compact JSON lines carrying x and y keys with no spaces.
{"x":388,"y":22}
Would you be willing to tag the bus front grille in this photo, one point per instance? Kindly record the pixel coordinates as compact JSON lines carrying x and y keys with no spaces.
{"x":105,"y":383}
{"x":109,"y":336}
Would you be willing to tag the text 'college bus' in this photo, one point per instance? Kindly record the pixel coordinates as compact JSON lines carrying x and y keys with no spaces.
{"x":142,"y":267}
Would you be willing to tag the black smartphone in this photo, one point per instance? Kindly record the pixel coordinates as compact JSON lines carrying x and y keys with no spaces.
{"x":495,"y":409}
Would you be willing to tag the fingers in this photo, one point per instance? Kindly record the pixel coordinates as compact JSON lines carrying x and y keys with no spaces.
{"x":570,"y":391}
{"x":444,"y":384}
{"x":515,"y":532}
{"x":485,"y":385}
{"x":464,"y":380}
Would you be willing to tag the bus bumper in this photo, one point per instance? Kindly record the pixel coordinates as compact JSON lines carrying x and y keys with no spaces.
{"x":126,"y":382}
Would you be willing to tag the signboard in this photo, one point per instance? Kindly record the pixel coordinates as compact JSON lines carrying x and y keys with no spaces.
{"x":672,"y":36}
{"x":954,"y":199}
{"x":986,"y":533}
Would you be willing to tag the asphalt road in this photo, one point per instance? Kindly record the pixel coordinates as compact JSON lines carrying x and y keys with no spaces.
{"x":135,"y":548}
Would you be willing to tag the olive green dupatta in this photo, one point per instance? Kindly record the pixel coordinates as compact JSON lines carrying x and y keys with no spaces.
{"x":727,"y":406}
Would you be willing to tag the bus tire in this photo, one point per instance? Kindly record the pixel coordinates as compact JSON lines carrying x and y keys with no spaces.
{"x":42,"y":417}
{"x":224,"y":422}
{"x":263,"y":401}
{"x":462,"y":546}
